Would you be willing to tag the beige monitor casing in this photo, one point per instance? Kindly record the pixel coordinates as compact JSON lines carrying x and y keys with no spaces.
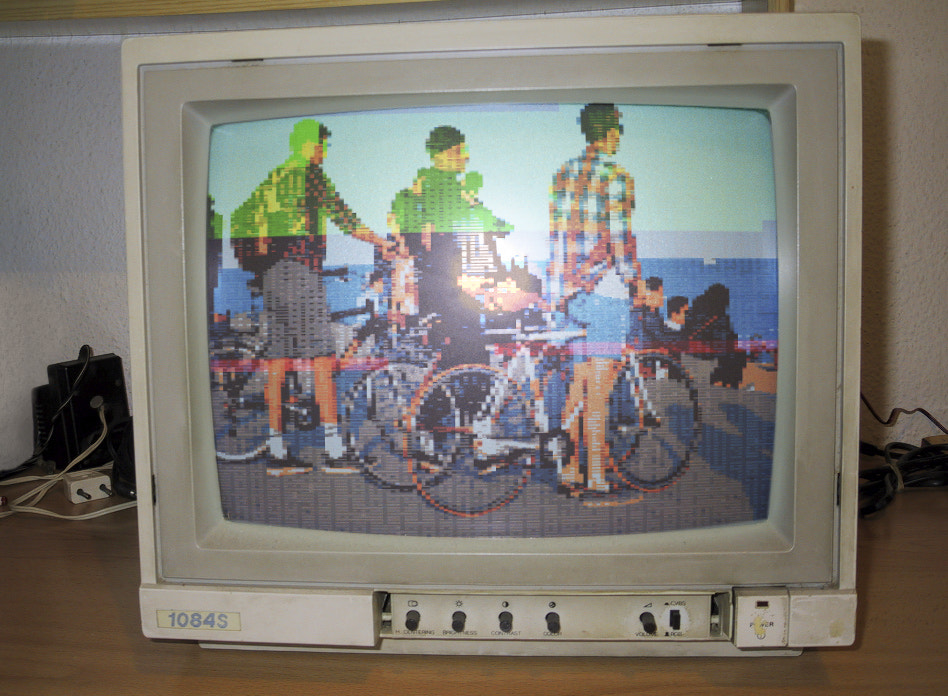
{"x":205,"y":578}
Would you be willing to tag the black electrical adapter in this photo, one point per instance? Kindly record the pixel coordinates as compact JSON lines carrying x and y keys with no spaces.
{"x":65,"y":421}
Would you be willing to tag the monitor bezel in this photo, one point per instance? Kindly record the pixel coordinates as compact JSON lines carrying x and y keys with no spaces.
{"x":178,"y":88}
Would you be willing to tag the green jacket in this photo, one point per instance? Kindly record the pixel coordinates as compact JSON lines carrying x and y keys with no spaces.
{"x":294,"y":200}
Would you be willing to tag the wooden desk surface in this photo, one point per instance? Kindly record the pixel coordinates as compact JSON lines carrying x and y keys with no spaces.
{"x":69,"y":626}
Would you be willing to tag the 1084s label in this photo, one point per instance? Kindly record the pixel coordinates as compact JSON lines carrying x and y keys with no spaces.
{"x":199,"y":620}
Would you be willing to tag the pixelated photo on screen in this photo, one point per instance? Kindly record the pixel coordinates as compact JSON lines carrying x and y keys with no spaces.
{"x":514,"y":320}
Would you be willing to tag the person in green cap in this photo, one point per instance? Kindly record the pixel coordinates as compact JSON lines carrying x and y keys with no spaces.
{"x":442,"y":226}
{"x":279,"y":234}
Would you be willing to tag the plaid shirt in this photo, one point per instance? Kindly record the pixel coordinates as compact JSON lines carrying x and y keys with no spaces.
{"x":591,"y":204}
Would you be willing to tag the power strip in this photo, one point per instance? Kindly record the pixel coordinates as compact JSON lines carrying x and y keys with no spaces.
{"x":85,"y":486}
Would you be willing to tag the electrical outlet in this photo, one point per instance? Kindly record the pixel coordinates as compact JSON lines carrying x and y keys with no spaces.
{"x":85,"y":486}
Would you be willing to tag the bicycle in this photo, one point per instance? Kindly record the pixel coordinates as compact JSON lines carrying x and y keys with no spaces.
{"x":467,"y":439}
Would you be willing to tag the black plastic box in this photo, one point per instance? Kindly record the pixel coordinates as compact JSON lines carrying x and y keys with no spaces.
{"x":78,"y":426}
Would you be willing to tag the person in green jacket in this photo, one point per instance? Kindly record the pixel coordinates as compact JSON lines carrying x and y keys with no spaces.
{"x":440,"y":224}
{"x":279,"y":234}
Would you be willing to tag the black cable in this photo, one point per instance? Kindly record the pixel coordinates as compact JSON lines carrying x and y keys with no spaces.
{"x":15,"y":471}
{"x":68,"y":400}
{"x":906,"y":466}
{"x":896,"y":412}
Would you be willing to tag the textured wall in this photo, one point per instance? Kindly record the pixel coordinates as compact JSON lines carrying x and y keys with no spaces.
{"x":905,"y":241}
{"x":62,"y":272}
{"x":62,"y":244}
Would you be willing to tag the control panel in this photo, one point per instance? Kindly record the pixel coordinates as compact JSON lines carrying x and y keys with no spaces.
{"x":646,"y":617}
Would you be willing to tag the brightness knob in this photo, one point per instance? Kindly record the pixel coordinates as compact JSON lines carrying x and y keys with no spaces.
{"x":412,"y":620}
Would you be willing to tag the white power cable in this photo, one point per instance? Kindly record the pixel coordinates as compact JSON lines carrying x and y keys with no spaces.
{"x":28,"y":501}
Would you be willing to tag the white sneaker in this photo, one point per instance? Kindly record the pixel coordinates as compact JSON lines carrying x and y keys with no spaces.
{"x":277,"y":448}
{"x":334,"y":445}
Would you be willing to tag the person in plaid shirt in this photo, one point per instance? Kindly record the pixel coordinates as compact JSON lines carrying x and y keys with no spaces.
{"x":593,"y":277}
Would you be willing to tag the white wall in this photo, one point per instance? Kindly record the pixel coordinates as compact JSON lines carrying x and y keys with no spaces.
{"x":62,"y":268}
{"x":905,"y":228}
{"x":62,"y":247}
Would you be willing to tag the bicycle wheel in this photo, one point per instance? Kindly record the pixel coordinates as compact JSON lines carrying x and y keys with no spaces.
{"x":471,"y":444}
{"x":374,"y":413}
{"x":654,"y":422}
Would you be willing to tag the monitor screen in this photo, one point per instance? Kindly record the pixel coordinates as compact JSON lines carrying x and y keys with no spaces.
{"x":487,"y":320}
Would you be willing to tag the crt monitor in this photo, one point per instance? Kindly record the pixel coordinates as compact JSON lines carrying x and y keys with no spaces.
{"x":517,"y":336}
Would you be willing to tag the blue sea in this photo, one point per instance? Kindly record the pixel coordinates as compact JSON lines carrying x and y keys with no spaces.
{"x":752,"y":284}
